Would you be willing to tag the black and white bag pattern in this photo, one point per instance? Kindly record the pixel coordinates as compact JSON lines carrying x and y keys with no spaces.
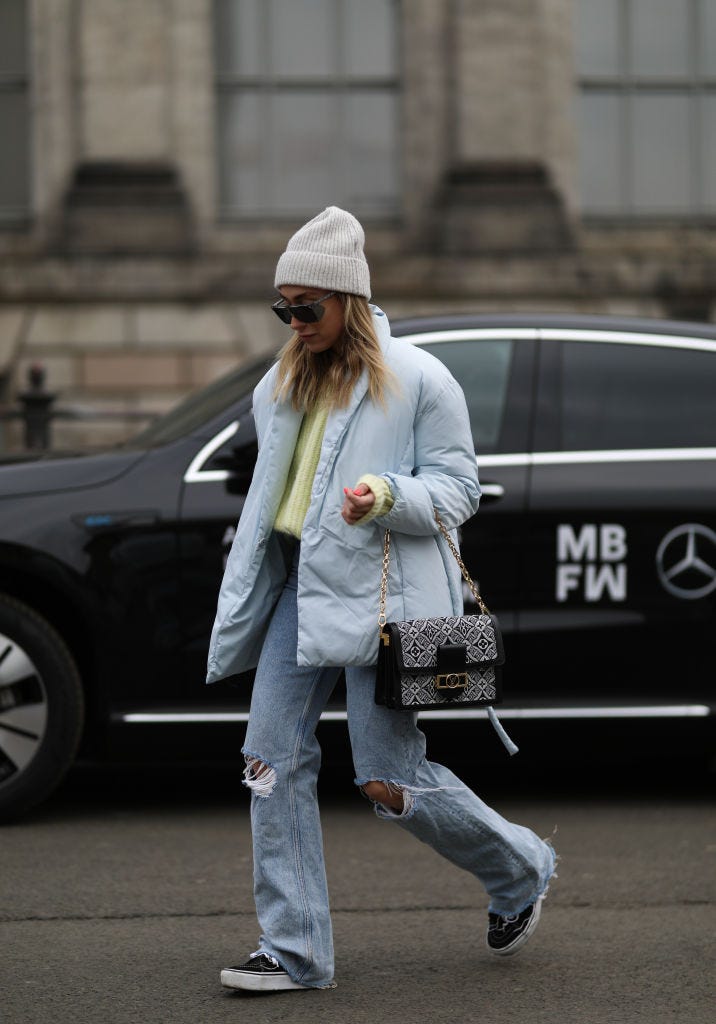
{"x":408,"y":665}
{"x":417,"y":643}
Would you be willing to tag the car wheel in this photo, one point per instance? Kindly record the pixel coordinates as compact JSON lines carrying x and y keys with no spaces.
{"x":41,"y":707}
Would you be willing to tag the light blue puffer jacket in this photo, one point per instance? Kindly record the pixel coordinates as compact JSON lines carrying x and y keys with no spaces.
{"x":422,"y":444}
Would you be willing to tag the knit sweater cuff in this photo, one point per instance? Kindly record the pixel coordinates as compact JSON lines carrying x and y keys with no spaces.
{"x":383,"y":497}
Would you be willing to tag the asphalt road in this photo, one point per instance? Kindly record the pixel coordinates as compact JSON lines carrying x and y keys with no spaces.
{"x":121,"y":899}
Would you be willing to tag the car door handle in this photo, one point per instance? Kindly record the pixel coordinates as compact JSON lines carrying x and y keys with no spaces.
{"x":492,"y":492}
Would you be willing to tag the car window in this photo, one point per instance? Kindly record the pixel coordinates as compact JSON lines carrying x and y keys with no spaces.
{"x":482,"y":368}
{"x":616,"y":396}
{"x":202,"y":406}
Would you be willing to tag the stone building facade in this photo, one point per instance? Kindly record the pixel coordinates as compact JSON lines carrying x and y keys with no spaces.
{"x":126,"y":271}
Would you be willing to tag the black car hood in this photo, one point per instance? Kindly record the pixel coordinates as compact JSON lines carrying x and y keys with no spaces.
{"x":60,"y":472}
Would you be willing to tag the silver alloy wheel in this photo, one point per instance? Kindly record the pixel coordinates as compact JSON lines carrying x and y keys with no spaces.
{"x":23,"y":710}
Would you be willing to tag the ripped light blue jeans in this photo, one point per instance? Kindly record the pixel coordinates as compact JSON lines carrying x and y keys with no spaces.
{"x":283,"y":758}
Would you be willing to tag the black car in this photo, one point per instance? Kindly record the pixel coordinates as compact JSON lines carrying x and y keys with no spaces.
{"x":595,"y":543}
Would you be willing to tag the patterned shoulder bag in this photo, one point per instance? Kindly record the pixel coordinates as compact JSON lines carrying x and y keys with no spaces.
{"x":449,"y":663}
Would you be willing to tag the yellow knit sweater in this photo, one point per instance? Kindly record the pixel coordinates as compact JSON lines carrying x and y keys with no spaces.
{"x":299,"y":483}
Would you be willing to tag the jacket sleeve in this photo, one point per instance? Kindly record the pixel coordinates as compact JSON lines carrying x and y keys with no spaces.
{"x":445,"y":472}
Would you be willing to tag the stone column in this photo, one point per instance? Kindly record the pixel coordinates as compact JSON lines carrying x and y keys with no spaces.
{"x":127,"y":195}
{"x":509,"y":185}
{"x":192,"y":121}
{"x":54,"y":124}
{"x":426,"y":43}
{"x":123,"y":78}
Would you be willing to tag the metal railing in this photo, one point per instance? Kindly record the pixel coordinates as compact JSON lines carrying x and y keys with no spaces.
{"x":37,"y":410}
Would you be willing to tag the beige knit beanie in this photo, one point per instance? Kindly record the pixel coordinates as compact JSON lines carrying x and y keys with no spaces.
{"x":327,"y":252}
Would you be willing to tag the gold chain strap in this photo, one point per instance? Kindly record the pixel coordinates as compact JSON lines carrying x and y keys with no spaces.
{"x":384,"y":577}
{"x":384,"y":589}
{"x":463,"y":568}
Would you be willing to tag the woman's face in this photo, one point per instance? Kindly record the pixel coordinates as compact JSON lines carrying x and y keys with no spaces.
{"x":324,"y":333}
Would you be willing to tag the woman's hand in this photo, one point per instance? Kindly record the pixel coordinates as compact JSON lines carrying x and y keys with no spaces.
{"x":357,"y":503}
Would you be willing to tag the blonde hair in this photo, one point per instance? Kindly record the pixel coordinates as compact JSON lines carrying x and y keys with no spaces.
{"x":306,"y":377}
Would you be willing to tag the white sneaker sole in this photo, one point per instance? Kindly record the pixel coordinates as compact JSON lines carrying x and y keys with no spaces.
{"x":250,"y":981}
{"x":517,"y":945}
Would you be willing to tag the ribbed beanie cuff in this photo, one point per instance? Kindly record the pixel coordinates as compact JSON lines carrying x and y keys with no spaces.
{"x":327,"y":252}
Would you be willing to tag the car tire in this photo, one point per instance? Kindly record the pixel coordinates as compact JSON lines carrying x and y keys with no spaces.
{"x":41,"y":708}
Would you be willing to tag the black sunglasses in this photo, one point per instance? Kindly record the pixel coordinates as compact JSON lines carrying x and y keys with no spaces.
{"x":307,"y":314}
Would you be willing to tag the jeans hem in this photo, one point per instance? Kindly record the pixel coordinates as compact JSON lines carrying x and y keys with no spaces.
{"x":292,"y":976}
{"x":539,"y":895}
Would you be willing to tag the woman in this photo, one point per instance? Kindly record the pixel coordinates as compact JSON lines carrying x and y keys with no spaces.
{"x":357,"y":432}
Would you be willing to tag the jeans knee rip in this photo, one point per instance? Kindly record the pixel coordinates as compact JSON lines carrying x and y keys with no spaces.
{"x":394,"y":788}
{"x":410,"y":794}
{"x":259,"y":776}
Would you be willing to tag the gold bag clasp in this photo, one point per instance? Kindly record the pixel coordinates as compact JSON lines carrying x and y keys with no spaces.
{"x":451,"y":681}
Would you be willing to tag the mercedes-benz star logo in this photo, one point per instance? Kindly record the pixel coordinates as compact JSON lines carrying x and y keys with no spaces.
{"x":686,"y":561}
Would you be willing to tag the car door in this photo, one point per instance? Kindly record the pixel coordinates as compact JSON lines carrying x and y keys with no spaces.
{"x":220,"y":450}
{"x":214,"y":488}
{"x":495,"y":368}
{"x":619,"y":593}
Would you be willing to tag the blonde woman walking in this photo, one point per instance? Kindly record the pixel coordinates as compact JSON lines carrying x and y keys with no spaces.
{"x":357,"y":432}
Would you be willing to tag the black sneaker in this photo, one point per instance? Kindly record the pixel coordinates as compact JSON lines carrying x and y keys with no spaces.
{"x":260,"y":973}
{"x":506,"y":935}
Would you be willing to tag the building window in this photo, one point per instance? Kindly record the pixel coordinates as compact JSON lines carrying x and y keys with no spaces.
{"x":647,"y":107}
{"x":14,"y":113}
{"x":307,"y":106}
